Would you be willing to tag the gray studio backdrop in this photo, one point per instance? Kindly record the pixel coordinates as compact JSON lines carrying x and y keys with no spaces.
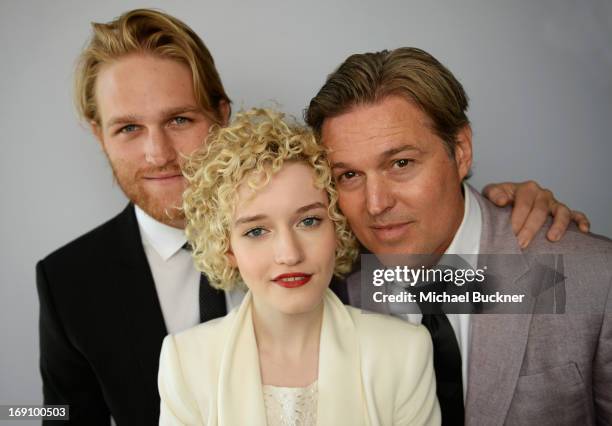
{"x":538,"y":73}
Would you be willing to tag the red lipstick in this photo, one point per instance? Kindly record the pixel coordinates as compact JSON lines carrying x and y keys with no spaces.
{"x":292,"y":280}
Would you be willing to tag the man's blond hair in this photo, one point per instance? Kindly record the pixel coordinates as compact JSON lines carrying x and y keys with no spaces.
{"x":147,"y":31}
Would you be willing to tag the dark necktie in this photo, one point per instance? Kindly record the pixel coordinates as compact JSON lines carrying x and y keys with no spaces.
{"x":212,"y":301}
{"x":447,"y":363}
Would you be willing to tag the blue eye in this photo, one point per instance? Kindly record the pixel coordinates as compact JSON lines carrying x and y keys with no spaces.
{"x":255,"y":233}
{"x":128,"y":129}
{"x":180,"y":120}
{"x":310,"y":222}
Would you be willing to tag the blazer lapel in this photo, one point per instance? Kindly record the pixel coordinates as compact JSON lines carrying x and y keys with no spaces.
{"x":341,"y":396}
{"x":241,"y":400}
{"x":496,"y":355}
{"x":498,"y":342}
{"x":135,"y":289}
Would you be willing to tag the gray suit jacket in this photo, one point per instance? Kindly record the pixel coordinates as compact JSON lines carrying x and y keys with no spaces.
{"x":541,"y":368}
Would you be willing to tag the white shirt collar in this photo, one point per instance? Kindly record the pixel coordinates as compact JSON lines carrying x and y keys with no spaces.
{"x":467,"y":237}
{"x":164,"y":239}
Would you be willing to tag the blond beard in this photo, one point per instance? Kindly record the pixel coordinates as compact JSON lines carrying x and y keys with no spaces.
{"x":168,"y":212}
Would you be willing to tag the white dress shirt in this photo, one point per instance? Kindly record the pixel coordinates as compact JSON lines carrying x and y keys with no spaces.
{"x":467,"y":244}
{"x":177,"y":281}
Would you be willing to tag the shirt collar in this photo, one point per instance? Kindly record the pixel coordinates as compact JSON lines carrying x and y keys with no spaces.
{"x":467,"y":237}
{"x":164,"y":239}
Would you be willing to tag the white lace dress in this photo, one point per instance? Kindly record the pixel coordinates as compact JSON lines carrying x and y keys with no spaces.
{"x":291,"y":406}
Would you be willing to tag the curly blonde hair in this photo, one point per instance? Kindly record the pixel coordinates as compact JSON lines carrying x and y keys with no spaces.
{"x":256,"y":144}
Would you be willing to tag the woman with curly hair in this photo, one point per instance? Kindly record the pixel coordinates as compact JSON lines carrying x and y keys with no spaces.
{"x":262,"y":213}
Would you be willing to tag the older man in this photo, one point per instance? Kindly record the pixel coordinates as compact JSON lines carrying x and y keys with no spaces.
{"x":400,"y":146}
{"x":148,"y":87}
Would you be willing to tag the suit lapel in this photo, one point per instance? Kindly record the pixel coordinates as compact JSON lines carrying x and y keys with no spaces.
{"x":498,"y":342}
{"x":497,"y":347}
{"x":241,"y":400}
{"x":341,"y":399}
{"x":339,"y":382}
{"x":135,"y":289}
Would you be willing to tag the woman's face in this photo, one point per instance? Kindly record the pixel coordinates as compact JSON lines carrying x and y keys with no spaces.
{"x":283,"y":241}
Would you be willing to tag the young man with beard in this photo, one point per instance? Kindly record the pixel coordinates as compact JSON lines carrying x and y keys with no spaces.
{"x":400,"y":146}
{"x":148,"y":87}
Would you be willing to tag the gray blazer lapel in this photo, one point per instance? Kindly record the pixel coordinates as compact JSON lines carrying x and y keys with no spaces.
{"x":497,"y":341}
{"x":497,"y":349}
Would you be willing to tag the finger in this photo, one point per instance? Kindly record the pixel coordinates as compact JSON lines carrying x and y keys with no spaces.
{"x":581,"y":219}
{"x":524,"y":201}
{"x":500,"y":194}
{"x":534,"y":221}
{"x":561,"y":220}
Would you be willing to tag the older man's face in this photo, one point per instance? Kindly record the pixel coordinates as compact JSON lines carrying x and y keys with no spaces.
{"x":398,"y":186}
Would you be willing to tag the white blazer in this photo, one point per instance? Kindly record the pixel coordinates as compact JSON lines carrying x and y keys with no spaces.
{"x":373,"y":370}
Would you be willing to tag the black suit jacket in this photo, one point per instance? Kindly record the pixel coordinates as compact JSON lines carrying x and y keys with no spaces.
{"x":101,"y":326}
